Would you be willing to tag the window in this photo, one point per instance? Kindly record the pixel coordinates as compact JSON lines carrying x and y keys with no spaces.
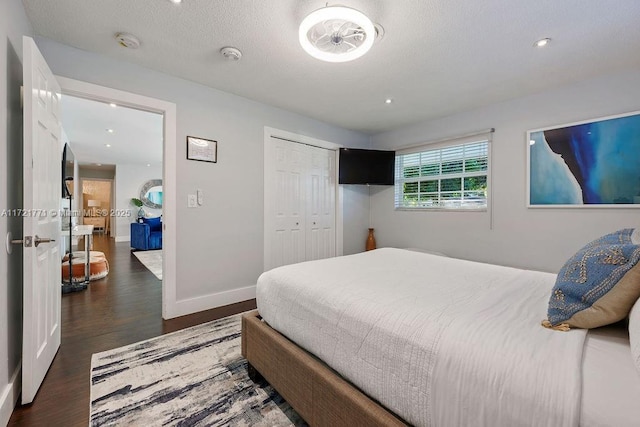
{"x":450,"y":177}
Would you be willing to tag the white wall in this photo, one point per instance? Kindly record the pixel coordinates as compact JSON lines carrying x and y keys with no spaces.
{"x":220,"y":244}
{"x":540,"y":239}
{"x":129,"y":182}
{"x":356,"y":207}
{"x":13,"y":24}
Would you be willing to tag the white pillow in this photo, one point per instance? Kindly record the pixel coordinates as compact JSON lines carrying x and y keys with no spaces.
{"x":635,"y":236}
{"x":634,"y":333}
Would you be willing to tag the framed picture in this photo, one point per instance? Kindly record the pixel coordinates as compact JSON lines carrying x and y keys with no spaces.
{"x":204,"y":150}
{"x":594,"y":163}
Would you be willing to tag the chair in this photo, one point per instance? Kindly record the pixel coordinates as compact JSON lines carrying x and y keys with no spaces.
{"x":147,"y":235}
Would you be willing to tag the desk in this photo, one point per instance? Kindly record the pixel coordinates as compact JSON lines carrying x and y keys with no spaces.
{"x":79,"y":230}
{"x":96,"y":221}
{"x":87,"y":232}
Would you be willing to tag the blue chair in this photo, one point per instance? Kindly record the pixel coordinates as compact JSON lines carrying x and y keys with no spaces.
{"x":147,"y":235}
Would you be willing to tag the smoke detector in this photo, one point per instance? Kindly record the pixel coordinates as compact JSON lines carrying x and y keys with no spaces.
{"x":128,"y":40}
{"x":231,"y":53}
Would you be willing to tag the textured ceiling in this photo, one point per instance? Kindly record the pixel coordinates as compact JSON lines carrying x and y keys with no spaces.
{"x":136,"y":137}
{"x":437,"y":57}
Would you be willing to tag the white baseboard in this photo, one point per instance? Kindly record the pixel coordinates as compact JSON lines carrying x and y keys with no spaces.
{"x":9,"y":396}
{"x":206,"y":302}
{"x":123,"y":239}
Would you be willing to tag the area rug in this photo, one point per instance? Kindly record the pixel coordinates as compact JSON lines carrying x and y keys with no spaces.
{"x":193,"y":377}
{"x":152,"y":260}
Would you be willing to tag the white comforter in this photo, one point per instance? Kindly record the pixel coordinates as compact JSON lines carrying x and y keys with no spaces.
{"x":439,"y":341}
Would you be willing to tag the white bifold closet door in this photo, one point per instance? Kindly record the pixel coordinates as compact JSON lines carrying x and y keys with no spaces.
{"x":303,"y":209}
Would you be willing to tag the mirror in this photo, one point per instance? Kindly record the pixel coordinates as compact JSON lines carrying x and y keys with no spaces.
{"x":151,"y":194}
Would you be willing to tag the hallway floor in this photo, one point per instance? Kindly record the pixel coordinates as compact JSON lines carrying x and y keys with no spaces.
{"x":120,"y":309}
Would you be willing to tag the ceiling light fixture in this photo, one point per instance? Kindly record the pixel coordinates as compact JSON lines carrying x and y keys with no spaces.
{"x":388,"y":101}
{"x":336,"y":34}
{"x":110,"y":130}
{"x":107,"y":145}
{"x":542,"y":42}
{"x":112,"y":105}
{"x":176,"y":1}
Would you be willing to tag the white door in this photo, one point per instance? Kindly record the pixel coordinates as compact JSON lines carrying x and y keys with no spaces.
{"x":288,"y":177}
{"x":321,"y":203}
{"x":300,"y":203}
{"x":42,"y":198}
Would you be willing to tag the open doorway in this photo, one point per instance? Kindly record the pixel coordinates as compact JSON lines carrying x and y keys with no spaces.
{"x":122,"y":195}
{"x":97,"y":201}
{"x":118,"y":151}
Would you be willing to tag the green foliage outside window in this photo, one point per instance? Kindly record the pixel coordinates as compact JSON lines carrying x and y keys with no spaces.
{"x":457,"y":177}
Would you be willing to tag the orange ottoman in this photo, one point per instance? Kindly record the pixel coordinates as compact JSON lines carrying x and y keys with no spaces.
{"x":98,"y":266}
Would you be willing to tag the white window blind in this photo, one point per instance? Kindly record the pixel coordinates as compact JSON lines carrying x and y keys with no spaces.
{"x":449,"y":177}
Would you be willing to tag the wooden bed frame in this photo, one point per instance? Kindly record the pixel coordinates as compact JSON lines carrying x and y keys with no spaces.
{"x":319,"y":394}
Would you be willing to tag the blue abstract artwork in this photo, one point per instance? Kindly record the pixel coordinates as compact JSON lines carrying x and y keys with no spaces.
{"x":594,"y":163}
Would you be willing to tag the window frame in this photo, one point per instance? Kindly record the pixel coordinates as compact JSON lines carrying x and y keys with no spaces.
{"x":428,"y":149}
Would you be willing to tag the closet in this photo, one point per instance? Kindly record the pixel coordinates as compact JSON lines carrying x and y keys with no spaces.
{"x":300,"y":202}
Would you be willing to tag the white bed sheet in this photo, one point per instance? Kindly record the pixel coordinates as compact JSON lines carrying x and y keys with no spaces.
{"x":439,"y":341}
{"x":611,"y":382}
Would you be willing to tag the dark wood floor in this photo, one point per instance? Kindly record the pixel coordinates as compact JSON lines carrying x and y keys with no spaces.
{"x":122,"y":308}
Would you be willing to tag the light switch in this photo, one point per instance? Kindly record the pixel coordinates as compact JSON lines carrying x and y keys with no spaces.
{"x":192,"y":201}
{"x":200,"y":197}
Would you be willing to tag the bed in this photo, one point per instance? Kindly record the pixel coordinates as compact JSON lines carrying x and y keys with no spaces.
{"x":396,"y":337}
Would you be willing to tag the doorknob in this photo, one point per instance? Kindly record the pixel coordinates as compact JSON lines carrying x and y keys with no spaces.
{"x":39,"y":240}
{"x":27,"y":241}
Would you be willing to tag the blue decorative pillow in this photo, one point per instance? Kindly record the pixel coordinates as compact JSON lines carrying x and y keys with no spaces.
{"x":598,"y":285}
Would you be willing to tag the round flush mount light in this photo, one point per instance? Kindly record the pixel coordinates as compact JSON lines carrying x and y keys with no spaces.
{"x":231,"y":53}
{"x":542,"y":42}
{"x":388,"y":101}
{"x":336,"y":34}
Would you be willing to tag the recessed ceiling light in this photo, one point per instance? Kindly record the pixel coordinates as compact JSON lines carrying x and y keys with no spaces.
{"x":148,"y":164}
{"x":542,"y":42}
{"x":107,"y":145}
{"x":112,"y":105}
{"x":336,"y":34}
{"x":388,"y":101}
{"x":176,"y":1}
{"x":110,"y":130}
